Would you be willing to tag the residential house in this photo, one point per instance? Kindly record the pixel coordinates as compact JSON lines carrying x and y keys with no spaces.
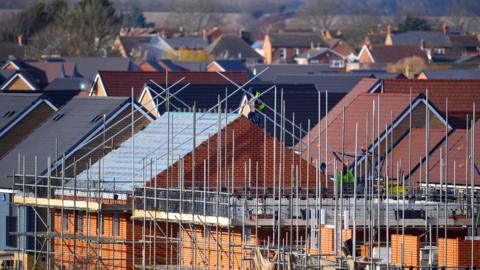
{"x":284,"y":47}
{"x":120,"y":83}
{"x":88,"y":66}
{"x":379,"y":56}
{"x":150,"y":47}
{"x":322,"y":56}
{"x":229,"y":47}
{"x":432,"y":42}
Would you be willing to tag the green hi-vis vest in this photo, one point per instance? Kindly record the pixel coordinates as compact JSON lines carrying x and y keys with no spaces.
{"x":261,"y":106}
{"x":347,"y":178}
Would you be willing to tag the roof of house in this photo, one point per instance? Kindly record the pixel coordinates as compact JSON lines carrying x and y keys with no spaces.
{"x":59,"y":135}
{"x":460,"y":93}
{"x":433,"y":39}
{"x":392,"y":54}
{"x":471,"y":74}
{"x":191,"y":65}
{"x":8,"y":49}
{"x":229,"y":46}
{"x":464,"y":41}
{"x":57,"y":97}
{"x":53,"y":70}
{"x":13,"y":105}
{"x":457,"y":144}
{"x":244,"y":142}
{"x":331,"y":82}
{"x":297,"y":40}
{"x":120,"y":83}
{"x":133,"y":42}
{"x":187,"y":42}
{"x":5,"y":75}
{"x":151,"y":148}
{"x":67,"y":84}
{"x":273,"y":70}
{"x":230,"y":65}
{"x":314,"y":52}
{"x":88,"y":67}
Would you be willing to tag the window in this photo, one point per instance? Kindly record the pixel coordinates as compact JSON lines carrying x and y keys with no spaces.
{"x":283,"y":53}
{"x":337,"y":64}
{"x":79,"y":222}
{"x":116,"y":224}
{"x":439,"y":51}
{"x":297,"y":51}
{"x":100,"y":222}
{"x":10,"y":230}
{"x":65,"y":221}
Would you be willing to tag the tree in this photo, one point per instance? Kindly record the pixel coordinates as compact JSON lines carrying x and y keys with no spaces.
{"x":135,"y":18}
{"x":91,"y":27}
{"x":409,"y":66}
{"x":195,"y":15}
{"x":319,"y":14}
{"x":413,"y":24}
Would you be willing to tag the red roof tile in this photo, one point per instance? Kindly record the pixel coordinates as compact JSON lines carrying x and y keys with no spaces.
{"x":457,"y":144}
{"x":120,"y":83}
{"x":356,"y":112}
{"x":461,"y":94}
{"x":249,"y":149}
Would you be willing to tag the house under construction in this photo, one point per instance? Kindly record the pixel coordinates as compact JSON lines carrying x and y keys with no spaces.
{"x":384,"y":180}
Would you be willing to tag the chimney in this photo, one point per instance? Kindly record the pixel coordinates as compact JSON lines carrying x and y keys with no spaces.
{"x":389,"y":28}
{"x":422,"y":44}
{"x":204,"y":33}
{"x":20,"y":40}
{"x":445,"y":27}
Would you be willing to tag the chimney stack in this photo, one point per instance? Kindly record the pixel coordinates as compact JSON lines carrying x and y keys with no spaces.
{"x":445,"y":27}
{"x":389,"y":28}
{"x":422,"y":44}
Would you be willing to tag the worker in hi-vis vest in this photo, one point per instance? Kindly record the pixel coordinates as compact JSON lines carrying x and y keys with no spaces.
{"x":256,"y":107}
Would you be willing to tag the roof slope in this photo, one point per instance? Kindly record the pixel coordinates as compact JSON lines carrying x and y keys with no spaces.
{"x":297,"y":40}
{"x":460,"y":93}
{"x":13,"y":105}
{"x":392,"y":54}
{"x":120,"y":83}
{"x":58,"y":135}
{"x":470,"y":74}
{"x":244,"y":144}
{"x":433,"y":39}
{"x":333,"y":83}
{"x":228,"y":47}
{"x":274,"y":70}
{"x":150,"y":150}
{"x":89,"y":66}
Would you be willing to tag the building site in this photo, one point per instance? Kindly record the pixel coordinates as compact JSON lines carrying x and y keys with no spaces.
{"x":170,"y":172}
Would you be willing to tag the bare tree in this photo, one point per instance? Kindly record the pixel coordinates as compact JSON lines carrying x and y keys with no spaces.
{"x":195,"y":15}
{"x":319,"y":14}
{"x":463,"y":14}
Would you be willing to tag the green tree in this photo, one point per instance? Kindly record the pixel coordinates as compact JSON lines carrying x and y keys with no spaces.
{"x":413,"y":24}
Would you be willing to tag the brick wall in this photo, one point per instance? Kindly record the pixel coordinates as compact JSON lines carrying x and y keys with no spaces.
{"x":459,"y":252}
{"x":327,"y":245}
{"x":411,"y":249}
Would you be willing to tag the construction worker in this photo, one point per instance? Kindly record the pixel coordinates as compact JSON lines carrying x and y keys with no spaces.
{"x":347,"y":176}
{"x":256,"y":107}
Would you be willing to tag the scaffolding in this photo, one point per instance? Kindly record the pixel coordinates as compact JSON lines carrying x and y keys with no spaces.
{"x":232,"y":221}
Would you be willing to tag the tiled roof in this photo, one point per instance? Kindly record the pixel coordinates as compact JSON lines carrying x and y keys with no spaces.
{"x":52,"y":70}
{"x":464,"y":41}
{"x":314,"y":52}
{"x":58,"y":135}
{"x":247,"y":151}
{"x":120,"y":83}
{"x":12,"y":105}
{"x":392,"y":54}
{"x":297,"y":40}
{"x":471,"y":74}
{"x":457,"y":144}
{"x":89,"y":66}
{"x":133,"y":42}
{"x":391,"y":105}
{"x":67,"y":84}
{"x":150,"y":148}
{"x":231,"y":47}
{"x":433,"y":39}
{"x":461,"y":94}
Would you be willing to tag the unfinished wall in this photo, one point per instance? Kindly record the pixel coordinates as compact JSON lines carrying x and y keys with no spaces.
{"x":411,"y":249}
{"x":458,"y":253}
